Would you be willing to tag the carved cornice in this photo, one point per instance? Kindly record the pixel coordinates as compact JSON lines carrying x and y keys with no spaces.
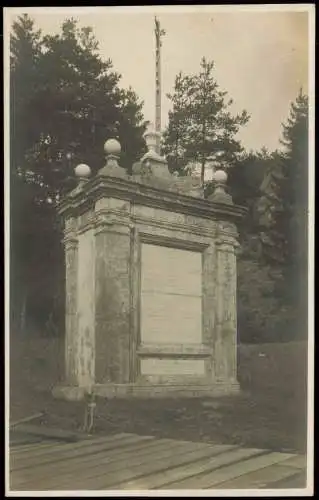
{"x":146,"y":195}
{"x":175,"y":226}
{"x":111,"y":225}
{"x":70,"y":242}
{"x":88,"y":223}
{"x":227,"y":236}
{"x":226,"y":243}
{"x":196,"y":246}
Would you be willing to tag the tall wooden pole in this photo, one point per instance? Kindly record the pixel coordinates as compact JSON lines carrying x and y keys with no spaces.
{"x":158,"y":84}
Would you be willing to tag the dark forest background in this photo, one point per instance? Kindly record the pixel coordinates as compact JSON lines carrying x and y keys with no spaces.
{"x":65,"y":101}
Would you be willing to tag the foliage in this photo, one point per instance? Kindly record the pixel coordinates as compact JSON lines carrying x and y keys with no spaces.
{"x":284,"y":202}
{"x":200,"y":123}
{"x":273,"y":300}
{"x":65,"y":101}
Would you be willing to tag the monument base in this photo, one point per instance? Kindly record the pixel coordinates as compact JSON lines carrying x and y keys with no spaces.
{"x":70,"y":393}
{"x":149,"y":390}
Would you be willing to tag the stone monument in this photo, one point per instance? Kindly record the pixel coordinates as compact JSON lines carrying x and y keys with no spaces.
{"x":150,"y":282}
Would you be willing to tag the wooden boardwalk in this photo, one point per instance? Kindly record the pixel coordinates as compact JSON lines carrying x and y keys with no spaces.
{"x":133,"y":462}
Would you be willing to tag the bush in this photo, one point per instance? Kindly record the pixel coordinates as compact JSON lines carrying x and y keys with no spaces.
{"x":263,"y":315}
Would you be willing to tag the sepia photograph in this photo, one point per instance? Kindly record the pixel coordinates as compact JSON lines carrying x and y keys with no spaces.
{"x":159,"y":250}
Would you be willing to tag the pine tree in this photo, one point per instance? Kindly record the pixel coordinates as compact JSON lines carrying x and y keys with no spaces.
{"x":25,"y":52}
{"x":284,"y":200}
{"x":65,"y":102}
{"x":200,"y":123}
{"x":283,"y":209}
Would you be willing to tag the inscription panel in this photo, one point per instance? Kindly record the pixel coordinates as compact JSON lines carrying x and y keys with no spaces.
{"x":170,"y":367}
{"x":171,"y":295}
{"x":171,"y":270}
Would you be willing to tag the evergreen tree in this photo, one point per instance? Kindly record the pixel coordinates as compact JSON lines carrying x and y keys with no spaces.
{"x":200,"y":123}
{"x":25,"y":51}
{"x":283,"y":209}
{"x":65,"y":102}
{"x":284,"y":199}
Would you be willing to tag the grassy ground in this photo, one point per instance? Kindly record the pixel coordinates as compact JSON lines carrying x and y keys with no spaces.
{"x":270,"y":413}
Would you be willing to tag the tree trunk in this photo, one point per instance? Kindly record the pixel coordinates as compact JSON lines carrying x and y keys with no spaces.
{"x":202,"y":172}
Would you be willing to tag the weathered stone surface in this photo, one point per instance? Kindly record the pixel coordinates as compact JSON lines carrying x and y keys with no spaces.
{"x":112,"y":295}
{"x":190,"y":367}
{"x":85,"y":338}
{"x":71,"y":263}
{"x":226,"y":326}
{"x":171,"y":295}
{"x":151,"y":290}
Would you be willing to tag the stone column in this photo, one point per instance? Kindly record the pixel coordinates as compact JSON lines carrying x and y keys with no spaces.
{"x":112,"y":303}
{"x":208,"y":312}
{"x":225,"y":343}
{"x":71,"y":267}
{"x":112,"y":284}
{"x":225,"y":359}
{"x":71,"y":248}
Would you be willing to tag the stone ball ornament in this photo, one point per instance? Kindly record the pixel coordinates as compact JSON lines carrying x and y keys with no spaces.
{"x":82,"y":170}
{"x":220,"y":176}
{"x":112,"y":147}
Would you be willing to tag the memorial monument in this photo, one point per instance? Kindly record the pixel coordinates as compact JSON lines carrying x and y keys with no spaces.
{"x":150,"y":282}
{"x":150,"y":279}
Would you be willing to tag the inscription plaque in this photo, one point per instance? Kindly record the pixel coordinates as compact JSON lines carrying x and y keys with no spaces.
{"x":171,"y":295}
{"x":173,"y":367}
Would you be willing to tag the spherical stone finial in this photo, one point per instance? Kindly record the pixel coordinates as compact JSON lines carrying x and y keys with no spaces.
{"x":82,"y":170}
{"x":220,"y":176}
{"x":112,"y":147}
{"x":220,"y":194}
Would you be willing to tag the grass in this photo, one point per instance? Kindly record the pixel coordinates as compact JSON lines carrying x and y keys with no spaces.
{"x":266,"y":415}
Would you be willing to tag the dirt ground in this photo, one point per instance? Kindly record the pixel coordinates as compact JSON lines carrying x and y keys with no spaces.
{"x":270,"y":412}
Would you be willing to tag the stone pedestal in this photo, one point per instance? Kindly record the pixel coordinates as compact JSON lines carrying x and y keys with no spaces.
{"x":150,"y":290}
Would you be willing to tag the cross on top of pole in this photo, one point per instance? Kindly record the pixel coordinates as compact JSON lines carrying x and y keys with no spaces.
{"x":158,"y":32}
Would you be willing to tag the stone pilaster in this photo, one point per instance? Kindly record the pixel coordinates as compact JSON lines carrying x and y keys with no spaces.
{"x":225,"y":357}
{"x":208,"y":312}
{"x":71,"y":267}
{"x":112,"y":292}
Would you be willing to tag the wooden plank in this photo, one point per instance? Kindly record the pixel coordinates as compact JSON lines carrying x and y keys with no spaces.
{"x":58,"y":447}
{"x":18,"y":463}
{"x":145,"y":453}
{"x":114,"y":474}
{"x":50,"y":432}
{"x":163,"y":479}
{"x":27,"y":448}
{"x":298,"y":480}
{"x":215,"y":478}
{"x":297,"y":461}
{"x":110,"y":463}
{"x":82,"y":464}
{"x":260,"y":478}
{"x":27,"y":419}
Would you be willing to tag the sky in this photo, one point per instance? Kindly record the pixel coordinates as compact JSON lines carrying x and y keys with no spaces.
{"x":261,"y":56}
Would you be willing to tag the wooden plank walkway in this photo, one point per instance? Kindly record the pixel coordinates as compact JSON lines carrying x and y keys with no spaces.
{"x":133,"y":462}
